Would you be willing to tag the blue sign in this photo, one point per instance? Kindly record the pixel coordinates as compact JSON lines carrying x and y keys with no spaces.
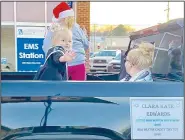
{"x":29,"y":54}
{"x":70,"y":3}
{"x":3,"y":61}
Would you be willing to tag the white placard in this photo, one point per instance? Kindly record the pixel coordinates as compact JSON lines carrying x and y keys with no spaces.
{"x":3,"y":60}
{"x":157,"y":118}
{"x":31,"y":32}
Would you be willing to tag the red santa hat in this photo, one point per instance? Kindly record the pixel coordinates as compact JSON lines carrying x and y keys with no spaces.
{"x":62,"y":11}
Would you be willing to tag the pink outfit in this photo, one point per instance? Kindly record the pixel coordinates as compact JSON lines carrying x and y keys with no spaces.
{"x":77,"y":72}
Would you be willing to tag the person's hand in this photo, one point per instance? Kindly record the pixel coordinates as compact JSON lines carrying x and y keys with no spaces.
{"x":68,"y":56}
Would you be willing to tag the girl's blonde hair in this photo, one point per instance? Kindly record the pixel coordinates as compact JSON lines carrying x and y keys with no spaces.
{"x":59,"y":30}
{"x":142,"y":57}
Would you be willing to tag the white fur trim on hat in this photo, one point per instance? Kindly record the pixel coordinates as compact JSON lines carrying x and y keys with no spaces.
{"x":54,"y":19}
{"x":64,"y":14}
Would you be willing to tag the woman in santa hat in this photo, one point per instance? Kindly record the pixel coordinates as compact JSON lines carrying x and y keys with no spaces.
{"x":64,"y":15}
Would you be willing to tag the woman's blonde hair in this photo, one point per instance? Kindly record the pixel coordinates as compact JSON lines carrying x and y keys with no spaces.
{"x":142,"y":56}
{"x":59,"y":30}
{"x":69,"y":21}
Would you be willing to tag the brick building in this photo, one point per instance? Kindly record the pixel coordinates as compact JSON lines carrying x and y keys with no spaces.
{"x":15,"y":14}
{"x":83,"y":18}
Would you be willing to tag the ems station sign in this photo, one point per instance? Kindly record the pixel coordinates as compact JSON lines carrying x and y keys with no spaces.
{"x":29,"y":48}
{"x":157,"y":118}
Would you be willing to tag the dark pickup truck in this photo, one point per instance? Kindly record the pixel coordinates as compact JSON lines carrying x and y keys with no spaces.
{"x":102,"y":108}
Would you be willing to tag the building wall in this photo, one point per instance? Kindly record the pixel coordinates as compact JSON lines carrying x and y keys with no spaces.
{"x":83,"y":14}
{"x":35,"y":12}
{"x":8,"y":46}
{"x":83,"y":18}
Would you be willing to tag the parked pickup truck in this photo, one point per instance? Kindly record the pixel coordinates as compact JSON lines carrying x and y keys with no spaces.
{"x":100,"y":61}
{"x":101,"y":108}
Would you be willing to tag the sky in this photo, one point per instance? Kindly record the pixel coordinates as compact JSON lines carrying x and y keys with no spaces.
{"x":137,"y":14}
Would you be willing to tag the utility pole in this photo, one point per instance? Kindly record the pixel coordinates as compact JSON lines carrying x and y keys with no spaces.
{"x":168,"y":11}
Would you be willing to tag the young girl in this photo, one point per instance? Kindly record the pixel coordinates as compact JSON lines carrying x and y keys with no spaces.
{"x":55,"y":67}
{"x":64,"y":15}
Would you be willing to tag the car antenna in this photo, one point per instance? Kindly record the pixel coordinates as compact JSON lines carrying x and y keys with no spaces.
{"x":47,"y":110}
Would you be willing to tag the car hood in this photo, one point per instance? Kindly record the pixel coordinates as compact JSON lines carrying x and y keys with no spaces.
{"x":63,"y":132}
{"x":115,"y":62}
{"x":103,"y":58}
{"x":103,"y":115}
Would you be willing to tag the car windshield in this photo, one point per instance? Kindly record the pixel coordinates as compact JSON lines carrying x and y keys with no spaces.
{"x":93,"y":55}
{"x":67,"y":112}
{"x":118,"y":57}
{"x":106,"y":53}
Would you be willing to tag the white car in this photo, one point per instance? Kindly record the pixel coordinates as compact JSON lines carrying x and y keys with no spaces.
{"x":114,"y":66}
{"x":100,"y":61}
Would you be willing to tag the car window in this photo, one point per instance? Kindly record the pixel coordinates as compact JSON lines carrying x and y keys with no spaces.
{"x":153,"y":38}
{"x":107,"y":53}
{"x":118,"y":57}
{"x":169,"y":55}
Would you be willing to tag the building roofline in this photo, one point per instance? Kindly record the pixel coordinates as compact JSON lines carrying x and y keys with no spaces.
{"x":25,"y":23}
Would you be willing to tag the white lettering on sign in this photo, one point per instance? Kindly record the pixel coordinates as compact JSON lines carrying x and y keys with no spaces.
{"x":31,"y":46}
{"x":30,"y":32}
{"x":30,"y":55}
{"x":157,"y":118}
